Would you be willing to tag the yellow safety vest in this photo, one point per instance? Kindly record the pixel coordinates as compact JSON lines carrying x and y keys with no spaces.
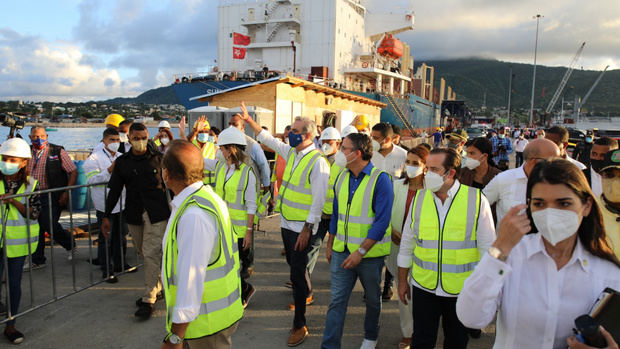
{"x":334,"y":171}
{"x":22,"y":237}
{"x":355,"y":217}
{"x":449,"y":254}
{"x":221,"y":296}
{"x":232,"y":190}
{"x":208,"y":152}
{"x":295,"y":197}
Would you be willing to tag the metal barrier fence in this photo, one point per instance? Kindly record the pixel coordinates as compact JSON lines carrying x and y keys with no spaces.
{"x":74,"y":287}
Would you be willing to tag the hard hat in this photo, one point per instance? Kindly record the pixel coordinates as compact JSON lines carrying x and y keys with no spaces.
{"x":330,"y":133}
{"x":362,"y":122}
{"x":231,"y":135}
{"x":348,"y":130}
{"x":164,"y":123}
{"x":16,"y":147}
{"x":114,"y":119}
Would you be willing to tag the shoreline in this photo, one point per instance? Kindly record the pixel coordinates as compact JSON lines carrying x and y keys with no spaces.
{"x":87,"y":124}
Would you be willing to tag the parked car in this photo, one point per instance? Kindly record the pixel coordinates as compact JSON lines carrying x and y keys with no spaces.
{"x":575,"y":136}
{"x":474,"y":132}
{"x":615,"y":134}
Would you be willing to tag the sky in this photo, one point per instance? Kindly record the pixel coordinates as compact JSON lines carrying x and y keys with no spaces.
{"x":70,"y":50}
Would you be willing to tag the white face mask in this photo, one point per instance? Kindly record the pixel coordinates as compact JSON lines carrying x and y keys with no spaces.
{"x":433,"y":181}
{"x":414,"y":171}
{"x":164,"y":141}
{"x":327,"y":148}
{"x":556,"y":225}
{"x":123,"y":137}
{"x":219,"y":156}
{"x":375,"y":145}
{"x":113,"y":147}
{"x":340,"y":159}
{"x":611,"y":189}
{"x":471,"y":163}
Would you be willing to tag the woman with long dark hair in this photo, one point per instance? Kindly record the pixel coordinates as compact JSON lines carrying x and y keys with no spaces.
{"x":547,"y":267}
{"x":478,"y":166}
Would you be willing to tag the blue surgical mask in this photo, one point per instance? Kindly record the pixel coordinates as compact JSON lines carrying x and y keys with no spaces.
{"x":203,"y":137}
{"x":210,"y":139}
{"x":294,"y":139}
{"x":589,"y":139}
{"x":39,"y":143}
{"x":9,"y":168}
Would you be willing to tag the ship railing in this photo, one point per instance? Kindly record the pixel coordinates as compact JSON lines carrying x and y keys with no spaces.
{"x":38,"y":292}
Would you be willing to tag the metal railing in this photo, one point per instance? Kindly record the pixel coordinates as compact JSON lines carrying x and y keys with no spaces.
{"x":54,"y":273}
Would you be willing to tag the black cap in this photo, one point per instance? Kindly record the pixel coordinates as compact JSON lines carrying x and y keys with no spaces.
{"x":612,"y":160}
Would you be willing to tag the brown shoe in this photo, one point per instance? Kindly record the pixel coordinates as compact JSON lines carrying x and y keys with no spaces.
{"x":309,"y":301}
{"x":298,"y":336}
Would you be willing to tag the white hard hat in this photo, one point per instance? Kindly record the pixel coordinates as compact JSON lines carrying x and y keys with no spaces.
{"x":348,"y":130}
{"x":330,"y":133}
{"x":16,"y":147}
{"x":231,"y":135}
{"x":165,"y":124}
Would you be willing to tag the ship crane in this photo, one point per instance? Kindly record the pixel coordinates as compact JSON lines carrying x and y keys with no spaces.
{"x":558,"y":92}
{"x":583,"y":101}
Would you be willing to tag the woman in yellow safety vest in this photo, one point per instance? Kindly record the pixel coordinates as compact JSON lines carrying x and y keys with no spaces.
{"x":20,"y":229}
{"x":235,"y":182}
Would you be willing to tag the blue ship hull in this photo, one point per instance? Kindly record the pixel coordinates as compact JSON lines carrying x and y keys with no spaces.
{"x":419,"y":112}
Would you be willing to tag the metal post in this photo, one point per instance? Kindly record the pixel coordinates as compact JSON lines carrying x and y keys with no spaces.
{"x":5,"y":260}
{"x":29,"y":249}
{"x":51,"y":226}
{"x":90,"y":235}
{"x":509,"y":95}
{"x":72,"y":241}
{"x":537,"y":17}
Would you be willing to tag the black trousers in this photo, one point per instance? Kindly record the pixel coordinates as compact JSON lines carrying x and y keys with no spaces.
{"x":245,"y":259}
{"x":427,"y":309}
{"x":518,"y":158}
{"x":61,"y":236}
{"x":298,"y":260}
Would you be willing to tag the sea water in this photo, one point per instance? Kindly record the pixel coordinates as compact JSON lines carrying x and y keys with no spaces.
{"x":79,"y":138}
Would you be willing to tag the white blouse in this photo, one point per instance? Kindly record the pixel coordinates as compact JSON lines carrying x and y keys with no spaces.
{"x":536,"y":304}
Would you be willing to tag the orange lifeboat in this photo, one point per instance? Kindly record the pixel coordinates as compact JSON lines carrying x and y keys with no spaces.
{"x":391,"y":47}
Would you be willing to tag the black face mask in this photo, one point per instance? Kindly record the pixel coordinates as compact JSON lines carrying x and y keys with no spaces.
{"x":596,"y":165}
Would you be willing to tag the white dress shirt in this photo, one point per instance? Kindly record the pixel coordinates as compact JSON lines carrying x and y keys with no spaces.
{"x":250,"y":190}
{"x":537,"y":303}
{"x":485,"y":233}
{"x":393,"y":163}
{"x":596,"y":183}
{"x":99,"y":161}
{"x":519,"y":144}
{"x":319,"y":177}
{"x":197,"y":236}
{"x":507,"y":189}
{"x":576,"y":163}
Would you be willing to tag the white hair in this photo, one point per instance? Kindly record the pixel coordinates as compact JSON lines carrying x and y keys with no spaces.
{"x":309,"y":125}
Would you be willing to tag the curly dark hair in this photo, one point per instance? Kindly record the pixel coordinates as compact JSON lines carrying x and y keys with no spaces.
{"x":361,"y":142}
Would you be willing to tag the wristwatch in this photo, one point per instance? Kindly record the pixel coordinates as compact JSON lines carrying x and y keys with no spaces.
{"x":497,"y":254}
{"x":310,"y":226}
{"x":362,"y":251}
{"x":173,"y":339}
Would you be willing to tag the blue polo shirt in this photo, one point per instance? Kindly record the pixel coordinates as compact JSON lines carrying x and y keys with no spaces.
{"x":381,"y":202}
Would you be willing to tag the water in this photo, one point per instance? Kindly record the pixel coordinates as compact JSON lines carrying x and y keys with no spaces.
{"x":79,"y":138}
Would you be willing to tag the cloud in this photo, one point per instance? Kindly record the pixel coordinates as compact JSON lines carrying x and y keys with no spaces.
{"x":34,"y":69}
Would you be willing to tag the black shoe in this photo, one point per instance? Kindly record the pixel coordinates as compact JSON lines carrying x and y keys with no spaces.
{"x":474,"y":333}
{"x":144,"y":311}
{"x":94,"y":261}
{"x":111,"y":280}
{"x":387,"y":294}
{"x":139,"y":301}
{"x":247,"y":295}
{"x":14,"y":337}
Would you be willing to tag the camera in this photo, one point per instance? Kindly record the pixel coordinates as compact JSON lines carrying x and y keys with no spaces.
{"x":15,"y":122}
{"x":588,"y":331}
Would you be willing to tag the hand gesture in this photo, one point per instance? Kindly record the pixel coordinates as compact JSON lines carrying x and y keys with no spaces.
{"x":200,"y":123}
{"x":244,"y":110}
{"x":182,"y":124}
{"x":512,"y":228}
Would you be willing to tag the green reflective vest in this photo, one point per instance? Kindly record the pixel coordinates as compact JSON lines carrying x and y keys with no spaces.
{"x":448,"y":254}
{"x":295,"y":197}
{"x":355,"y":217}
{"x":221,"y":297}
{"x":334,"y":171}
{"x":22,"y":236}
{"x":232,"y":190}
{"x":208,"y":152}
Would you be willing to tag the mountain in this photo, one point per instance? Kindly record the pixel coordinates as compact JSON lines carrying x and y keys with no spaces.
{"x":160,"y":95}
{"x":472,"y":78}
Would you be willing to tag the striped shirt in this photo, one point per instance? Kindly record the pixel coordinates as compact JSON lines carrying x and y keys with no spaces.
{"x":39,"y":160}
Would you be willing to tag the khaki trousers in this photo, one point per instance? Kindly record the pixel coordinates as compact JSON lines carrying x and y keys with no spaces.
{"x":148,"y":239}
{"x":218,"y":340}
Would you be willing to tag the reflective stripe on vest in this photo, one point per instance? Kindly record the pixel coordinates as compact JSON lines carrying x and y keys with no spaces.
{"x":22,"y":235}
{"x":334,"y":171}
{"x":208,"y":152}
{"x":232,"y":190}
{"x":449,"y":254}
{"x":355,"y":217}
{"x":295,"y":197}
{"x":263,"y":204}
{"x":221,"y":298}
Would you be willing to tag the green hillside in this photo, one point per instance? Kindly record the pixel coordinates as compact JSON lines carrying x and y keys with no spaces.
{"x":160,"y":95}
{"x":471,"y":78}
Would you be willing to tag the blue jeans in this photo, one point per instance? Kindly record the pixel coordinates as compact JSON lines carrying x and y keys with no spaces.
{"x":15,"y":271}
{"x":342,"y":283}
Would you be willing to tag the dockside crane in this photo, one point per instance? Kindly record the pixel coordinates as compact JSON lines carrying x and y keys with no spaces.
{"x":583,"y":101}
{"x":560,"y":88}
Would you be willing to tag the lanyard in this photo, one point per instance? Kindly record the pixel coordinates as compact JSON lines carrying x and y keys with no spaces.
{"x":38,"y":155}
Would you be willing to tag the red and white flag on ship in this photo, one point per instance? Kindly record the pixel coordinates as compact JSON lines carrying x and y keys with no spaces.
{"x":240,"y":39}
{"x":239,"y":52}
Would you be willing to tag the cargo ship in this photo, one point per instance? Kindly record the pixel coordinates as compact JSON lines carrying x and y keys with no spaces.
{"x":335,"y":43}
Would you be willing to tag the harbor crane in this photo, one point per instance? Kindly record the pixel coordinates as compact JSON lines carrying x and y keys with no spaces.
{"x":583,"y":101}
{"x":560,"y":88}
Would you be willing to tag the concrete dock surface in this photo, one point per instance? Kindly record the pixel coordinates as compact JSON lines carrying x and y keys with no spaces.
{"x":102,"y":316}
